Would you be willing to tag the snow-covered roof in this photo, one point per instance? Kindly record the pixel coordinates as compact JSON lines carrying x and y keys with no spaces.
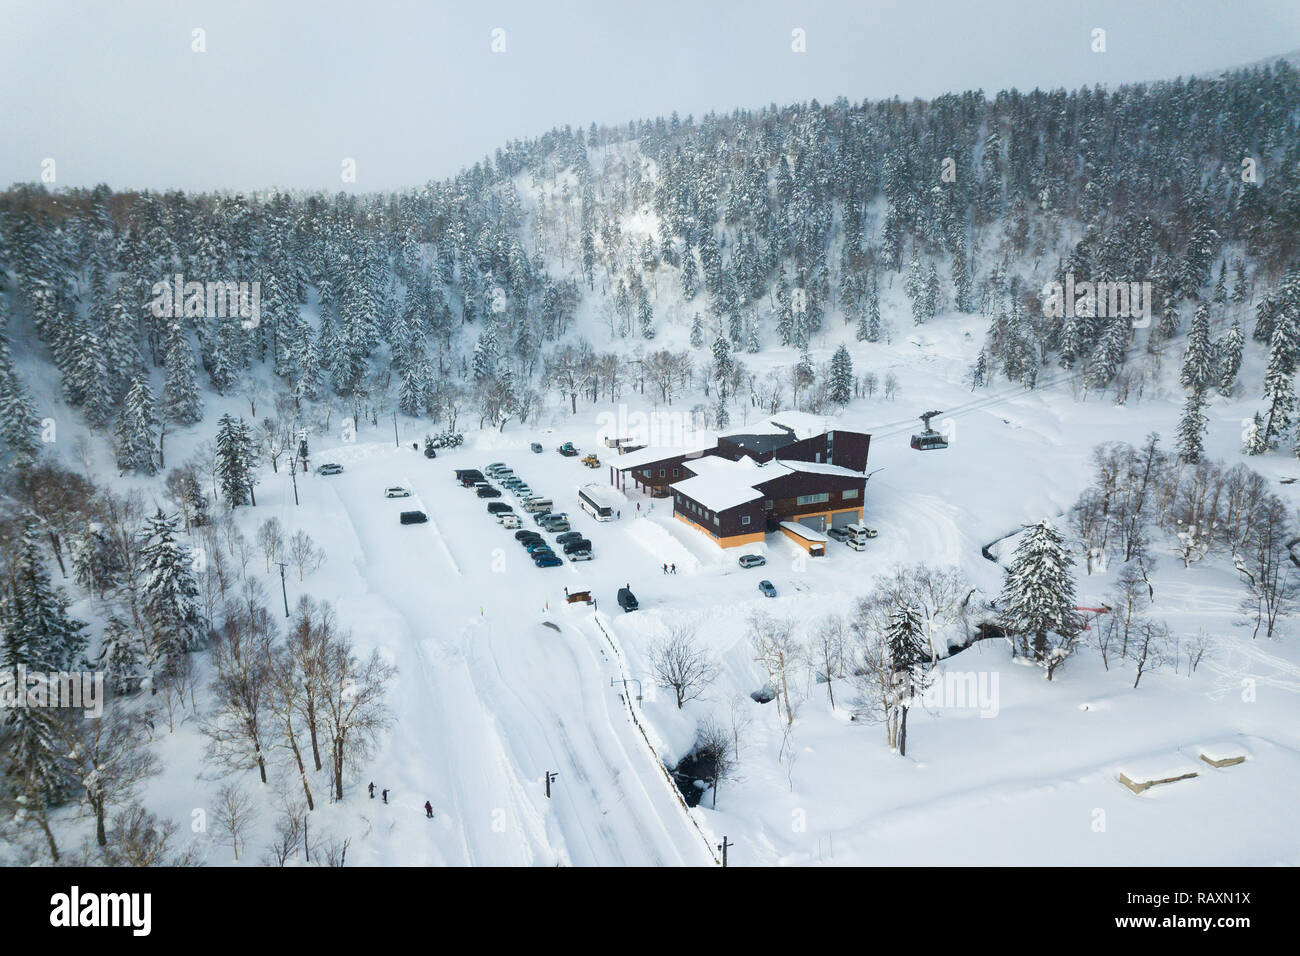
{"x":819,"y":468}
{"x":802,"y":424}
{"x":702,"y":442}
{"x":722,"y":483}
{"x":803,"y":531}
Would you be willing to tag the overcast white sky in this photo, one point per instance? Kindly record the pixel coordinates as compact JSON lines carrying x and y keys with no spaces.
{"x":412,"y":91}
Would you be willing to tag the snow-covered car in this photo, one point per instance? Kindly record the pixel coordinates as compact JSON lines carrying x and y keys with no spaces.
{"x":396,"y":492}
{"x":509,"y":520}
{"x":583,"y":555}
{"x":767,"y":589}
{"x":330,"y":468}
{"x":752,"y":560}
{"x":536,"y":447}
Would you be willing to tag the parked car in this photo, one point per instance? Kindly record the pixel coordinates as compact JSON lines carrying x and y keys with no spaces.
{"x":534,"y":546}
{"x":752,"y":560}
{"x":414,"y":517}
{"x":496,"y":507}
{"x":627,"y":600}
{"x":548,"y":561}
{"x":463,"y":473}
{"x":487,"y":491}
{"x":578,"y":555}
{"x":330,"y":468}
{"x":582,"y":544}
{"x":839,"y":534}
{"x":568,"y":536}
{"x":495,"y":466}
{"x":396,"y":492}
{"x":526,"y":533}
{"x":567,"y":450}
{"x":521,"y":492}
{"x":536,"y":447}
{"x":857,"y":544}
{"x":554,"y":526}
{"x":767,"y":589}
{"x":508,"y":520}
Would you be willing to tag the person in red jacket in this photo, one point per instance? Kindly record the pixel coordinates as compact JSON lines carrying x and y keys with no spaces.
{"x":428,"y":809}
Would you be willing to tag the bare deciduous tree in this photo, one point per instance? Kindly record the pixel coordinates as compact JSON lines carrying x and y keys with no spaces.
{"x":779,"y":651}
{"x":241,"y":691}
{"x":679,"y":663}
{"x":233,"y":816}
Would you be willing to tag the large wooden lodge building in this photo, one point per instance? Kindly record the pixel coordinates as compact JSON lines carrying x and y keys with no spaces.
{"x":739,"y":486}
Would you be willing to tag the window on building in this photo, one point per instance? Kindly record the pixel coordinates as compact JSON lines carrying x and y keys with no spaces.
{"x":769,"y":504}
{"x":716,"y":521}
{"x":813,"y":499}
{"x":646,"y":472}
{"x":851,"y":493}
{"x":674,"y":472}
{"x":744,"y":519}
{"x":661,"y":472}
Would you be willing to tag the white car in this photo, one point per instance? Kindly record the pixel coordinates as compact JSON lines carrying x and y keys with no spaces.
{"x":396,"y":492}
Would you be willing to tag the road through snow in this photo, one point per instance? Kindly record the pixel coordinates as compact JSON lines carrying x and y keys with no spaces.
{"x":488,"y":700}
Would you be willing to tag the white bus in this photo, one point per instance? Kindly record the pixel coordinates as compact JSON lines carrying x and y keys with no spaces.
{"x":597,"y":502}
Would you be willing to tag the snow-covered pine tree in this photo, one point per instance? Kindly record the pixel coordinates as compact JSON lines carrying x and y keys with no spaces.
{"x":136,"y":444}
{"x":1279,"y":387}
{"x":170,"y":596}
{"x":1198,"y":361}
{"x":841,"y":377}
{"x":697,"y":332}
{"x":646,"y":317}
{"x":909,"y":658}
{"x":94,"y":565}
{"x":1191,"y":427}
{"x":1169,"y":321}
{"x":49,"y":639}
{"x":1038,"y":596}
{"x":233,"y":461}
{"x":19,"y":427}
{"x":182,"y":402}
{"x":1230,"y":357}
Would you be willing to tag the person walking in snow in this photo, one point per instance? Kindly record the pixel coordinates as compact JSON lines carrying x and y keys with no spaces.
{"x":428,"y":809}
{"x":372,"y":790}
{"x":672,"y":569}
{"x":665,"y":569}
{"x":385,"y":796}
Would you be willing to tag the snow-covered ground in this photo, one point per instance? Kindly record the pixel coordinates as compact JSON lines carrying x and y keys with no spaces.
{"x":489,"y":699}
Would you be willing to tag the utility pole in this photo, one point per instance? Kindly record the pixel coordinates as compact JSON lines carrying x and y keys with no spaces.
{"x":396,"y":442}
{"x":284,"y":590}
{"x":723,"y":847}
{"x":550,"y":775}
{"x":293,"y":475}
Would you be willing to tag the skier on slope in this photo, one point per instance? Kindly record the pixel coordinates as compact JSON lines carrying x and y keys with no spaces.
{"x":372,"y":790}
{"x":428,"y":809}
